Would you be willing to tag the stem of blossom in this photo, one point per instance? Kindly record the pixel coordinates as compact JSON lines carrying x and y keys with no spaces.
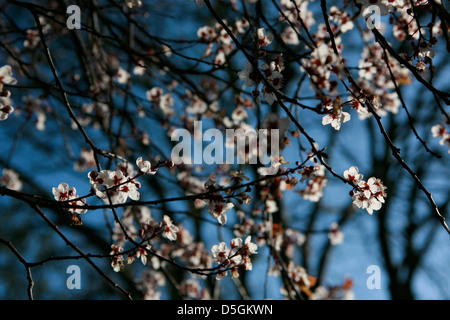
{"x":25,"y":264}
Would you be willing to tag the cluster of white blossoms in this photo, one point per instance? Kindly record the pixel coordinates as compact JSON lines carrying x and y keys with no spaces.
{"x":85,"y":160}
{"x":323,"y":62}
{"x":248,"y":75}
{"x":10,"y":180}
{"x":117,"y":259}
{"x":335,"y":235}
{"x":264,"y":38}
{"x":135,"y":220}
{"x":292,"y":11}
{"x":375,"y":77}
{"x":152,"y":280}
{"x":384,"y":6}
{"x":6,"y":77}
{"x":406,"y":27}
{"x":133,"y":3}
{"x":65,"y":193}
{"x":439,"y":131}
{"x":216,"y":204}
{"x":404,"y":24}
{"x":141,"y":253}
{"x":306,"y":284}
{"x":272,"y":73}
{"x":336,"y":116}
{"x":319,"y":67}
{"x":192,"y":289}
{"x":237,"y":256}
{"x":33,"y":39}
{"x":341,"y":18}
{"x":169,"y":229}
{"x":32,"y":105}
{"x":375,"y":80}
{"x":117,"y":183}
{"x":368,"y":194}
{"x":218,"y":40}
{"x":316,"y":182}
{"x":300,"y":279}
{"x":120,"y":183}
{"x":165,"y":101}
{"x":258,"y":140}
{"x":196,"y":104}
{"x":122,"y":76}
{"x":150,"y":228}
